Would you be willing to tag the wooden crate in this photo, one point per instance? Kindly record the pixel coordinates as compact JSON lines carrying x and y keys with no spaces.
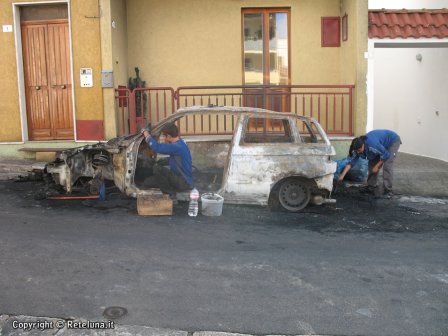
{"x":157,"y":204}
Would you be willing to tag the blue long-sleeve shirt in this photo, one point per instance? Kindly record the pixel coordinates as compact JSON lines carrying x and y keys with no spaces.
{"x":180,"y":157}
{"x":376,"y":146}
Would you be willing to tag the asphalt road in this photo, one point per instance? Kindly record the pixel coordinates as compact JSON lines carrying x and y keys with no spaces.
{"x":361,"y":267}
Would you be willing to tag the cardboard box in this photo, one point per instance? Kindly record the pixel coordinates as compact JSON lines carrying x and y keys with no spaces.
{"x":156,"y":204}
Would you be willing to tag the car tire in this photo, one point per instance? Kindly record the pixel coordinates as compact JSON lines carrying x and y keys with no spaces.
{"x":294,"y":194}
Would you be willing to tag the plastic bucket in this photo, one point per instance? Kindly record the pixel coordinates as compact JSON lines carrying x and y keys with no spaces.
{"x":211,"y":204}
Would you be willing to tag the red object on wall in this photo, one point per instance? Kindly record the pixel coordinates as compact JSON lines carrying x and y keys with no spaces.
{"x":331,"y":31}
{"x":90,"y":129}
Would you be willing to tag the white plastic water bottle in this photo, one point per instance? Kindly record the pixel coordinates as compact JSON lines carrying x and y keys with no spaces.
{"x":193,"y":206}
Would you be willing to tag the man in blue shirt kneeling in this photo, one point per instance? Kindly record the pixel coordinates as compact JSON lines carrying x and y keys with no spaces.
{"x":380,"y":148}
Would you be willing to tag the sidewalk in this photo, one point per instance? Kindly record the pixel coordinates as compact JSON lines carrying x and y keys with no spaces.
{"x":11,"y":169}
{"x":30,"y":326}
{"x":420,"y":176}
{"x":414,"y":175}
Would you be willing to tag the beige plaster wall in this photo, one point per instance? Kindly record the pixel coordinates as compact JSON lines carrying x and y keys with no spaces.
{"x":348,"y":47}
{"x":353,"y":67}
{"x":107,"y":63}
{"x":360,"y":102}
{"x":119,"y":42}
{"x":119,"y":59}
{"x":310,"y":62}
{"x":86,"y":53}
{"x":9,"y":96}
{"x":198,"y":42}
{"x":86,"y":44}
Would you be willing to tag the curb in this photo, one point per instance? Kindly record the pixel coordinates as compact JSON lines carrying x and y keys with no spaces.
{"x":13,"y":169}
{"x":9,"y":176}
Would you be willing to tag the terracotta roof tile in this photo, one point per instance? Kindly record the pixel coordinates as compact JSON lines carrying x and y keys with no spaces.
{"x":408,"y":23}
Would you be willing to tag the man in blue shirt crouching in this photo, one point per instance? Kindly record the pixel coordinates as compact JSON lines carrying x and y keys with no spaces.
{"x":380,"y":148}
{"x":179,"y":175}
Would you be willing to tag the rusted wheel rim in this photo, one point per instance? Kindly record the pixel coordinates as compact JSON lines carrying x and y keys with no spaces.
{"x":294,"y":195}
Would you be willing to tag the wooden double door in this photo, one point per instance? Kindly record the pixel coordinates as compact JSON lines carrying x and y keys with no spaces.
{"x":48,"y":80}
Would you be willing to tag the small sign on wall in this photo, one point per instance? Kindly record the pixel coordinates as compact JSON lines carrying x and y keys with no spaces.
{"x":86,"y":77}
{"x":7,"y":28}
{"x":107,"y":79}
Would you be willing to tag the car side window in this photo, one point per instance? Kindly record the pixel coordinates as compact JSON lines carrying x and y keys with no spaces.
{"x":267,"y":130}
{"x":308,"y":131}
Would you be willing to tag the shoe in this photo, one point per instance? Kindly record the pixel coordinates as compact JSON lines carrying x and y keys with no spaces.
{"x":388,"y":193}
{"x":367,"y":190}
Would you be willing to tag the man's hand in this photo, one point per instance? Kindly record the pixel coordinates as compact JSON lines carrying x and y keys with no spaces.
{"x":337,"y":185}
{"x":163,"y":161}
{"x":376,"y":168}
{"x":146,"y":129}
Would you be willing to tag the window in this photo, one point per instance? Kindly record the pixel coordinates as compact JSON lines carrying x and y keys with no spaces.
{"x":266,"y":46}
{"x":309,"y":133}
{"x":267,"y":130}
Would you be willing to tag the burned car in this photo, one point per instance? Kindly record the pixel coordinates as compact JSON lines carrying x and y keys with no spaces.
{"x":247,"y":155}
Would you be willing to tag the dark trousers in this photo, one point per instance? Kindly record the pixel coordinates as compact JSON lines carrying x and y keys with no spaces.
{"x":166,"y":180}
{"x":388,"y":168}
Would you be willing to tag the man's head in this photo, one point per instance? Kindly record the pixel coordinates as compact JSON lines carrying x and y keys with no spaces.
{"x":358,"y":145}
{"x":171,"y":132}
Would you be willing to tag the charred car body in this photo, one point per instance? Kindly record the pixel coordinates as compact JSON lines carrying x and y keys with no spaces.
{"x":269,"y":158}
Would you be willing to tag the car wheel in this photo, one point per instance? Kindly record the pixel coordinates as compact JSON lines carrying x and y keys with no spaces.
{"x":294,"y":194}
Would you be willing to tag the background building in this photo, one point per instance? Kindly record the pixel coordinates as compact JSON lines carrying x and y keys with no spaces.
{"x":62,"y":61}
{"x":408,"y":73}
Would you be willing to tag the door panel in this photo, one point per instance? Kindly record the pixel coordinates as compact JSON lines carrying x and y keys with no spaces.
{"x":48,"y":86}
{"x":36,"y":84}
{"x":37,"y":103}
{"x":278,"y":49}
{"x":60,"y":81}
{"x":253,"y":48}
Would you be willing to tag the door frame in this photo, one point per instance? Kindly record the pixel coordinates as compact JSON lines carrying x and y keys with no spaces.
{"x":20,"y":70}
{"x":266,"y":65}
{"x":266,"y":88}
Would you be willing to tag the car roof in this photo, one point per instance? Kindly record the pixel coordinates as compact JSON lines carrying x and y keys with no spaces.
{"x":235,"y":110}
{"x":231,"y":110}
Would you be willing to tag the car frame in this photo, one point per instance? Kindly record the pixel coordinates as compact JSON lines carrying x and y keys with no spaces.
{"x":287,"y":164}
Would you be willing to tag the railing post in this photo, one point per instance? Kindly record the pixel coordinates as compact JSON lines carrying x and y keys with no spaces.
{"x":264,"y":97}
{"x":177,"y":99}
{"x":132,"y":113}
{"x":350,"y":111}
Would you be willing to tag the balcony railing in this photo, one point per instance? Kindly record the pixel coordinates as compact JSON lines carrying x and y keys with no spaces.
{"x":331,"y":105}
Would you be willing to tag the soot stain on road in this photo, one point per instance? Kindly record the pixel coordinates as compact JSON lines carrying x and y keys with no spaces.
{"x":352,"y":213}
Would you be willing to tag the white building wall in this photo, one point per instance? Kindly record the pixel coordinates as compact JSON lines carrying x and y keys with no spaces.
{"x":406,"y":95}
{"x":411,"y":97}
{"x":408,"y":4}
